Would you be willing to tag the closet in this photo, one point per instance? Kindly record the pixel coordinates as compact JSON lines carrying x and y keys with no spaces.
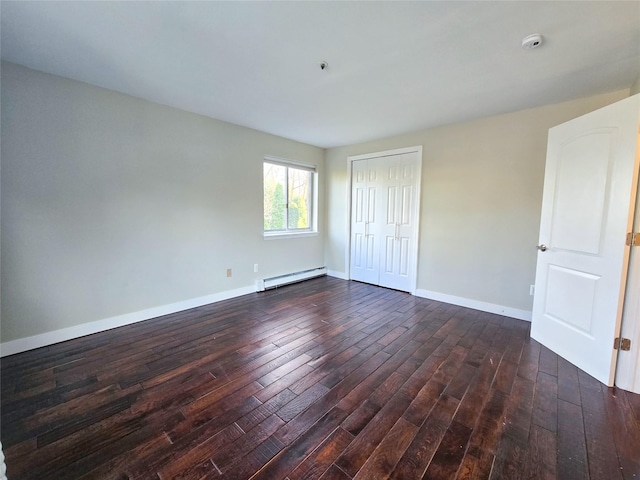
{"x":384,"y":218}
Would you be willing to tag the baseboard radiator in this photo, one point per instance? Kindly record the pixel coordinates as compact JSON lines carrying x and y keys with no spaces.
{"x":279,"y":281}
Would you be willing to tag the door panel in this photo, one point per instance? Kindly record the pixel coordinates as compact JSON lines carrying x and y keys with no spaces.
{"x":570,"y":298}
{"x":392,"y":171}
{"x":406,"y":205}
{"x":358,"y":256}
{"x":372,"y":191}
{"x":389,"y":254}
{"x":587,"y":209}
{"x":372,"y":260}
{"x":581,"y":191}
{"x":391,"y":205}
{"x":404,"y":257}
{"x":359,"y":205}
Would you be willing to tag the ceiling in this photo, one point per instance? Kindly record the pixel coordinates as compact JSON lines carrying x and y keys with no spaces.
{"x":394,"y":67}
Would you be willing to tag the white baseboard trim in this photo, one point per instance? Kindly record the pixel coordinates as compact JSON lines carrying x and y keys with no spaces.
{"x":44,"y":339}
{"x":475,"y":304}
{"x":335,"y":274}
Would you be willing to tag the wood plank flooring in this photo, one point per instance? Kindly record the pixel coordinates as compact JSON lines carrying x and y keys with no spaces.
{"x":326,"y":379}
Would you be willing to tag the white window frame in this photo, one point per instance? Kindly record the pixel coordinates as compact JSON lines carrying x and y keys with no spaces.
{"x":313,"y":208}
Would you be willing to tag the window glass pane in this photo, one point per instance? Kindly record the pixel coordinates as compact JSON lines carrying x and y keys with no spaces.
{"x":299,"y":196}
{"x":274,"y":197}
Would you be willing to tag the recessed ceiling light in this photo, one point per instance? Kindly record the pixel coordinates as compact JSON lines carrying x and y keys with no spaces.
{"x":532,"y":41}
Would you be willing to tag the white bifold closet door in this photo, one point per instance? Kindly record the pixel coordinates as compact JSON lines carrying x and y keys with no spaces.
{"x":384,"y":220}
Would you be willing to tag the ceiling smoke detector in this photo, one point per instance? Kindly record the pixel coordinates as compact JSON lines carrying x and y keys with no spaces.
{"x":532,"y":41}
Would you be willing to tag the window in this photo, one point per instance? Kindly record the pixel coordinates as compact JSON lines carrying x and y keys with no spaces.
{"x":289,"y":193}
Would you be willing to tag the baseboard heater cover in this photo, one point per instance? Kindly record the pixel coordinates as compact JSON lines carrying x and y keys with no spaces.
{"x":281,"y":280}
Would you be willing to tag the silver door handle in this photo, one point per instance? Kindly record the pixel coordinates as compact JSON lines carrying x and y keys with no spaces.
{"x":542,"y":247}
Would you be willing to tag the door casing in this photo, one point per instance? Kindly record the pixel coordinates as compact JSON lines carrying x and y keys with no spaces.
{"x":628,"y":368}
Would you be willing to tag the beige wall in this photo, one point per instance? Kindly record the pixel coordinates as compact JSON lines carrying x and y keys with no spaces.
{"x":112,"y":204}
{"x":481,"y":196}
{"x":635,"y":88}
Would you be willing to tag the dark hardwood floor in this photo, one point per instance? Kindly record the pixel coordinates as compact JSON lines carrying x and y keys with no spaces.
{"x":324,"y":379}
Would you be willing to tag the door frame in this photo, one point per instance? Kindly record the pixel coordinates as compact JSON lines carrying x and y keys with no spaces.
{"x":628,"y":367}
{"x":416,"y":234}
{"x":627,"y":374}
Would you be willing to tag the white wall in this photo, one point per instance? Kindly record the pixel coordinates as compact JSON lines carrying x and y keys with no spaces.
{"x":481,"y":196}
{"x":112,"y":205}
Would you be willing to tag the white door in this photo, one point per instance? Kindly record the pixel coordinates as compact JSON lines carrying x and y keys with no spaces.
{"x":399,"y":223}
{"x":587,"y":209}
{"x":365,"y":224}
{"x":384,"y":218}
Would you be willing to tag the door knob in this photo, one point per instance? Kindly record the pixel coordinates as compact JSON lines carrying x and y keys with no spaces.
{"x":542,"y":247}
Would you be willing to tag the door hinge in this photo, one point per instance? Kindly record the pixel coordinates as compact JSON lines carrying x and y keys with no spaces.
{"x":622,"y":344}
{"x":633,"y":239}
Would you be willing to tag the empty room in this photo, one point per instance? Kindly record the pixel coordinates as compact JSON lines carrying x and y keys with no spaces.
{"x":320,"y":240}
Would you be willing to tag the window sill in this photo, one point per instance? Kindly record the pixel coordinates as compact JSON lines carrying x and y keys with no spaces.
{"x":280,"y":235}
